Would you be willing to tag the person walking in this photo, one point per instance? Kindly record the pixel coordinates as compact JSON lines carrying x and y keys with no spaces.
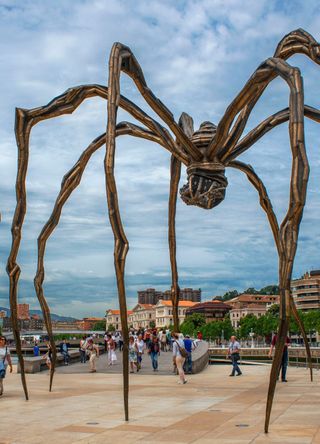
{"x":93,"y":351}
{"x":179,"y":355}
{"x":284,"y":360}
{"x":82,"y":349}
{"x":140,"y":345}
{"x":133,"y":357}
{"x":163,"y":341}
{"x":189,"y":346}
{"x":5,"y":361}
{"x":234,"y":354}
{"x":154,"y":351}
{"x":111,"y":347}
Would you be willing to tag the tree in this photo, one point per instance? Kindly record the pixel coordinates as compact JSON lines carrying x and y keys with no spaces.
{"x":192,"y":324}
{"x":251,"y":290}
{"x":152,"y":324}
{"x":230,"y":295}
{"x":247,"y":324}
{"x":218,"y":329}
{"x":99,"y":326}
{"x":270,"y":289}
{"x":111,"y":327}
{"x":274,"y":310}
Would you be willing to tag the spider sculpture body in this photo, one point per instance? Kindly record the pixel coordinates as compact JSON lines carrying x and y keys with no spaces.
{"x":206,"y":153}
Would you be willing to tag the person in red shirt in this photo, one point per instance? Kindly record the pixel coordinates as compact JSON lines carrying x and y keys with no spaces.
{"x":284,"y":361}
{"x":199,"y":336}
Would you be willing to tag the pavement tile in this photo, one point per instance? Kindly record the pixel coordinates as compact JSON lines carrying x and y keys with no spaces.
{"x":88,"y":409}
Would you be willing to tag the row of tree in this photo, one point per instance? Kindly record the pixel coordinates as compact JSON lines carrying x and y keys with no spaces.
{"x":262,"y":326}
{"x":269,"y":289}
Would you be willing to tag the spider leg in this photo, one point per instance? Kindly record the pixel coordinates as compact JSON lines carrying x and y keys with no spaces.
{"x":298,"y":41}
{"x":300,"y":171}
{"x":267,"y":207}
{"x":122,"y":59}
{"x":66,"y":103}
{"x":268,"y":124}
{"x":186,"y":124}
{"x":175,"y":172}
{"x":69,"y":183}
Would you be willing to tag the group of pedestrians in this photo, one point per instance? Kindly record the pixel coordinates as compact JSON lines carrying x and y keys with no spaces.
{"x":149,"y":341}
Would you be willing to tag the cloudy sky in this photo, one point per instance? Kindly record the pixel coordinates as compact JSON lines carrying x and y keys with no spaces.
{"x":196,"y":56}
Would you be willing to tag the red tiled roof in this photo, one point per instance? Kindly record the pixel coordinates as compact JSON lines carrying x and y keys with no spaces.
{"x":181,"y":303}
{"x":255,"y":298}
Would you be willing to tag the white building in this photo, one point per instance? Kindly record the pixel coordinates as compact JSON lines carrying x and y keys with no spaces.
{"x":142,"y":315}
{"x":239,"y":312}
{"x":113,"y":318}
{"x":163,"y":312}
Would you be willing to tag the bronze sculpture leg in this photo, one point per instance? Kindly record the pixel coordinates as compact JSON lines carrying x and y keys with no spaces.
{"x":71,"y":181}
{"x":66,"y":103}
{"x":288,"y":234}
{"x":267,"y":207}
{"x":175,"y":171}
{"x":186,"y":124}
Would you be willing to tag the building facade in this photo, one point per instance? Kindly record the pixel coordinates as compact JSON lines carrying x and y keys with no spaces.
{"x":239,"y":311}
{"x":214,"y":310}
{"x":23,"y":311}
{"x":163,"y":312}
{"x":143,"y":316}
{"x":113,"y":318}
{"x":84,"y":324}
{"x":152,"y":296}
{"x":246,"y":300}
{"x":306,"y":291}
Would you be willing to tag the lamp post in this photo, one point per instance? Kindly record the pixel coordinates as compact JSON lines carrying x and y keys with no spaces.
{"x":251,"y":334}
{"x":222,"y":338}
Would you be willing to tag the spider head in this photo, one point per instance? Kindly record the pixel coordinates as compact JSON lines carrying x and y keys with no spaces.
{"x":206,"y":186}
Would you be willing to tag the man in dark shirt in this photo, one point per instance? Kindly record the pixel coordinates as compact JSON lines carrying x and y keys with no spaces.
{"x":284,"y":361}
{"x":188,"y":345}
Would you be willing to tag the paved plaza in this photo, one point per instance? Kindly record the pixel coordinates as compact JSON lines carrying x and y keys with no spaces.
{"x":210,"y":408}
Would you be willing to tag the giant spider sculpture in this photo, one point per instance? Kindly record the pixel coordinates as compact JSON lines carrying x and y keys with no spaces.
{"x":206,"y":153}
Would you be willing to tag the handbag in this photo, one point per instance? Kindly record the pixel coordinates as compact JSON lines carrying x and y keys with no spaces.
{"x":182,"y":350}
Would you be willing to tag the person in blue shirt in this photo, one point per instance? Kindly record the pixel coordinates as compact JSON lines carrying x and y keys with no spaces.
{"x":36,"y":349}
{"x":189,"y":346}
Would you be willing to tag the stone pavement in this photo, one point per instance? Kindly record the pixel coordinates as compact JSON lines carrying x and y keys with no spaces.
{"x":211,"y":408}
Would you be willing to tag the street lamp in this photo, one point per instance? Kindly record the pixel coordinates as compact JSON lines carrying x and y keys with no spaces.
{"x":222,"y":338}
{"x":251,"y":334}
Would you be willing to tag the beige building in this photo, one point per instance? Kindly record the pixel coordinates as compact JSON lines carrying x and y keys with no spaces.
{"x":239,"y":311}
{"x":113,"y":318}
{"x":306,"y":291}
{"x":163,"y":312}
{"x":142,"y":315}
{"x":246,"y":300}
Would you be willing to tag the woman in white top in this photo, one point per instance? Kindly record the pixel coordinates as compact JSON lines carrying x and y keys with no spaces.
{"x":5,"y":360}
{"x":140,"y":349}
{"x":178,"y":349}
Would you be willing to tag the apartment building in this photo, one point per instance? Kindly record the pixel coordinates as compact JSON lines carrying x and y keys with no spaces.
{"x":306,"y":291}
